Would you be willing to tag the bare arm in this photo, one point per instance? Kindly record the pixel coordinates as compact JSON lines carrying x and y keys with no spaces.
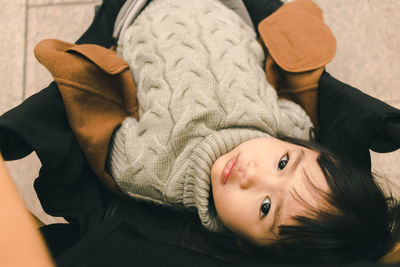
{"x":20,"y":241}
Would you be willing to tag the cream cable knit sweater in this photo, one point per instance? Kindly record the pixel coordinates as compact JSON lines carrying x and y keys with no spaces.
{"x":202,"y":92}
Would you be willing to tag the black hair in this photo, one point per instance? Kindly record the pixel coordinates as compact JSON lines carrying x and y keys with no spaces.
{"x":360,"y":225}
{"x":363,"y":224}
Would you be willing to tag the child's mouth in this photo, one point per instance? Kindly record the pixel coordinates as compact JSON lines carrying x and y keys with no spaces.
{"x":226,"y":173}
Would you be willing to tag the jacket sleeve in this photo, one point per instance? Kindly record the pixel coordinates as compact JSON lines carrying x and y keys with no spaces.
{"x":98,"y":93}
{"x":352,"y":122}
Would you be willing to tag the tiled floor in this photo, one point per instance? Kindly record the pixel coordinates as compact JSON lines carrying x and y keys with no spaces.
{"x":368,"y":57}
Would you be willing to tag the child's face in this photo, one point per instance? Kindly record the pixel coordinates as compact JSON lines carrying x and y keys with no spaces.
{"x":261,"y":191}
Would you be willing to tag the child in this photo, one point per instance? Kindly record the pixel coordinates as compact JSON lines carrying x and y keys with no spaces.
{"x":206,"y":110}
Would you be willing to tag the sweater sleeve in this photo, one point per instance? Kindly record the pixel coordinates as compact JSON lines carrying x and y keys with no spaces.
{"x":295,"y":122}
{"x":117,"y":153}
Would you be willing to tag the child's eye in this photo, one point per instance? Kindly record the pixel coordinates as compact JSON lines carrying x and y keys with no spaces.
{"x":283,"y":162}
{"x":265,"y":206}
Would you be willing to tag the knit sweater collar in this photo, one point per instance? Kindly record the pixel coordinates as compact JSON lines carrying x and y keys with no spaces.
{"x":197,"y":187}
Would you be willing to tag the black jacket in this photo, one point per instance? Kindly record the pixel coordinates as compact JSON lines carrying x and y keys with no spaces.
{"x":106,"y":231}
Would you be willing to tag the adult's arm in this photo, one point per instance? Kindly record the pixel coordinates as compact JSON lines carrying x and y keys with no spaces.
{"x":20,"y":241}
{"x":353,"y":122}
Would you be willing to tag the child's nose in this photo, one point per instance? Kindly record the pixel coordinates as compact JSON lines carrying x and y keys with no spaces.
{"x":250,"y":175}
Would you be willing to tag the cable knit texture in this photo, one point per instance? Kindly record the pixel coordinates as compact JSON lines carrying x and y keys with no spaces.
{"x":202,"y":92}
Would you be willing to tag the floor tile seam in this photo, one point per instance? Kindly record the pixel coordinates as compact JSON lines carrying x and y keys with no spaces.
{"x":63,"y":4}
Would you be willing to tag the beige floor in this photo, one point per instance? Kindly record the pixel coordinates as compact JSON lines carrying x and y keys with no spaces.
{"x":368,"y":57}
